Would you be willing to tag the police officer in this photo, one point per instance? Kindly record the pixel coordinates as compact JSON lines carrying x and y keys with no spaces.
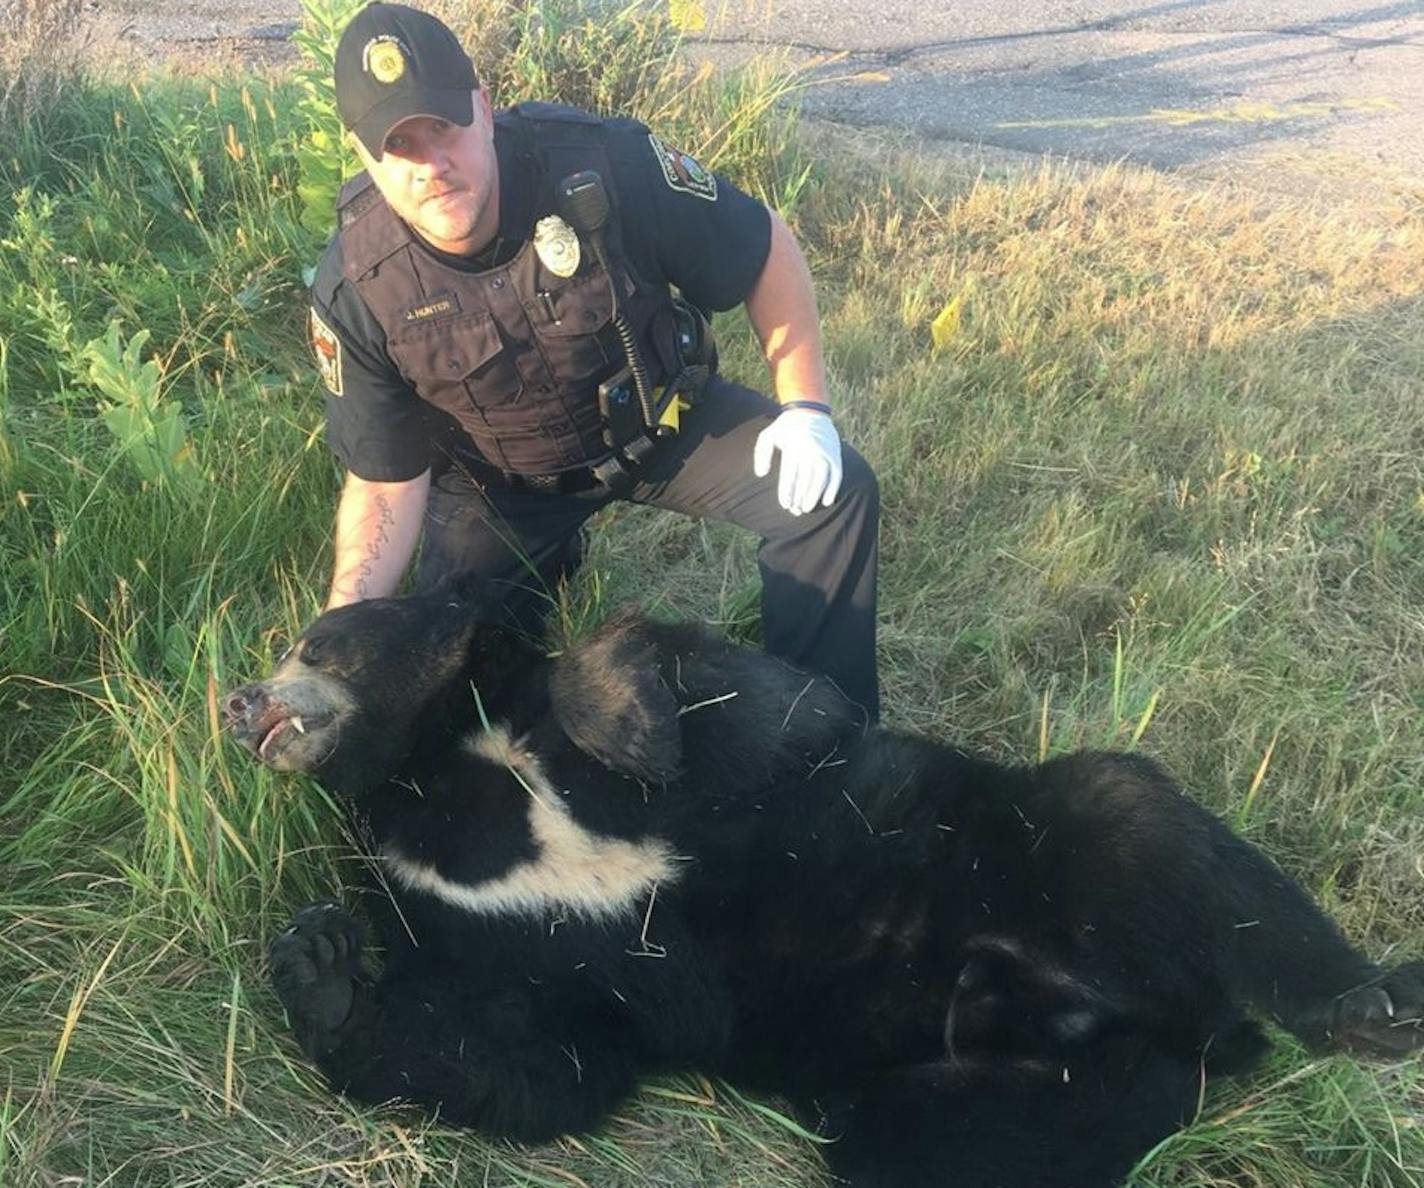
{"x":504,"y":353}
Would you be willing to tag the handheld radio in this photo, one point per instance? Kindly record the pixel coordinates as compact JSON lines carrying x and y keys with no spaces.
{"x":583,"y":204}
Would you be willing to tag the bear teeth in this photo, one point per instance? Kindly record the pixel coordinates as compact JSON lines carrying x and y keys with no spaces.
{"x":297,"y":725}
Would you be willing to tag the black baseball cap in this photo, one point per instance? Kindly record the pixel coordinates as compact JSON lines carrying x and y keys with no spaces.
{"x":394,"y":62}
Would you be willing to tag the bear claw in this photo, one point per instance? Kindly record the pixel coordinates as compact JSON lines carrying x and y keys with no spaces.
{"x":316,"y":961}
{"x":1386,"y":1016}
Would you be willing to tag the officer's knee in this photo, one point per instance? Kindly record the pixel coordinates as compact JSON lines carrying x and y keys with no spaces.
{"x":858,"y":482}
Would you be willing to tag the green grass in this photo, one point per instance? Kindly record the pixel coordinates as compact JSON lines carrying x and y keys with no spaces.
{"x":1162,"y":487}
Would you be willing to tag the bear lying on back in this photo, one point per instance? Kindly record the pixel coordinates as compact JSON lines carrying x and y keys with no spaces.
{"x":661,"y":851}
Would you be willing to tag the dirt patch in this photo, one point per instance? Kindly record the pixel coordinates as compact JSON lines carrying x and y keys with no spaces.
{"x":198,"y":36}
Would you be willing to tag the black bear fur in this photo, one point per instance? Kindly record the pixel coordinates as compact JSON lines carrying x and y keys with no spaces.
{"x":658,"y":850}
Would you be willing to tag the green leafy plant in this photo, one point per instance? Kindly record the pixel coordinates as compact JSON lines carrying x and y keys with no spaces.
{"x":150,"y":430}
{"x":324,"y":160}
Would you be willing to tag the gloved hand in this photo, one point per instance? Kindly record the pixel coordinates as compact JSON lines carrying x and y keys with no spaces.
{"x":810,"y":458}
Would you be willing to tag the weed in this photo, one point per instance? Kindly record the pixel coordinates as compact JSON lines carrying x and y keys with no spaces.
{"x":150,"y":431}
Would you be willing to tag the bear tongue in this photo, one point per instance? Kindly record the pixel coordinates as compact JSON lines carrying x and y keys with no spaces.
{"x":278,"y":728}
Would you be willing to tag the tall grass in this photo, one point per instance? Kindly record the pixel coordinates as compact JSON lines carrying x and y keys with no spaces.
{"x":1160,"y":487}
{"x":40,"y":53}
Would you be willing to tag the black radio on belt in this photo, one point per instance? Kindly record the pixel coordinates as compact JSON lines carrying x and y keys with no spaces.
{"x":620,"y":409}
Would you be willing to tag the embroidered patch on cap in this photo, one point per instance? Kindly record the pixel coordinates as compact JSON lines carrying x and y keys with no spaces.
{"x":327,"y":349}
{"x":682,"y":173}
{"x":383,"y":59}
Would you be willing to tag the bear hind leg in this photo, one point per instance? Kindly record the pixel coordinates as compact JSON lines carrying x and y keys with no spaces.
{"x":996,"y":1121}
{"x":1294,"y":963}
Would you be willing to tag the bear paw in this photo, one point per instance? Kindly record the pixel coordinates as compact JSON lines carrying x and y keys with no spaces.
{"x":1384,"y":1016}
{"x":316,"y":963}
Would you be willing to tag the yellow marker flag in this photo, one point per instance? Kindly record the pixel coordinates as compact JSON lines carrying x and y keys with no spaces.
{"x":687,"y":16}
{"x":946,"y":324}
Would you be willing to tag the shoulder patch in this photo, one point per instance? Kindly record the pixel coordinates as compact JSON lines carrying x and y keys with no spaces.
{"x":682,"y":173}
{"x":327,"y":349}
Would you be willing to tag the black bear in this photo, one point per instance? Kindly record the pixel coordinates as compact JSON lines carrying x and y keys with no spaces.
{"x":658,"y":850}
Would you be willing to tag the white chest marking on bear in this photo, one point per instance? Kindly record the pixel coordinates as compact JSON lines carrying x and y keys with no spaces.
{"x":595,"y":877}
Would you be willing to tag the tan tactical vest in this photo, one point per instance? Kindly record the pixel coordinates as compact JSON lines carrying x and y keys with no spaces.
{"x":514,"y":354}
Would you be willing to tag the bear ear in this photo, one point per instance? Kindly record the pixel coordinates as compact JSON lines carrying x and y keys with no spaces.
{"x":609,"y":698}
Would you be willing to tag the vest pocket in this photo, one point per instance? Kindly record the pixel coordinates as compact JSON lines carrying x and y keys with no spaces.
{"x":572,"y":325}
{"x":458,"y":362}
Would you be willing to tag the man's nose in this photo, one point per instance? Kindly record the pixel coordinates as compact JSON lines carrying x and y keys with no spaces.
{"x":430,"y":158}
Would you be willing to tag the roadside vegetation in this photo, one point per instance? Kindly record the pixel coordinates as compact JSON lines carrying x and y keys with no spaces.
{"x":1152,"y":461}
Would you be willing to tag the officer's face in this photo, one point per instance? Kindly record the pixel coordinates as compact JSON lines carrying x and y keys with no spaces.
{"x":442,"y":178}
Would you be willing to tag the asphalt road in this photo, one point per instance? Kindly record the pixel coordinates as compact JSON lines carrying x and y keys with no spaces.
{"x":1281,"y":90}
{"x":1289,"y":92}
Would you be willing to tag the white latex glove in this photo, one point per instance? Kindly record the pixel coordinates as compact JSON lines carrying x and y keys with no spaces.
{"x":810,"y":459}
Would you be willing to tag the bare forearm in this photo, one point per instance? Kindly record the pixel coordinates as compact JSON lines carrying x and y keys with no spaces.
{"x":782,"y":310}
{"x":377,"y":525}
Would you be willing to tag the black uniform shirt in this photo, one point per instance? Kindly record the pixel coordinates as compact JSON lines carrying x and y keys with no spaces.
{"x":713,"y":251}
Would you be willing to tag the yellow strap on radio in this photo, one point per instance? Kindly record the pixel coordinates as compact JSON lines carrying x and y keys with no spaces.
{"x":671,"y":417}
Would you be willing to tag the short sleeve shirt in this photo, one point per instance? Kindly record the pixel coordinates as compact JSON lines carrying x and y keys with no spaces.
{"x":681,"y":226}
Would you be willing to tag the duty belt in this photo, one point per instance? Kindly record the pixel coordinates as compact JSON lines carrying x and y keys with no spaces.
{"x":560,"y":482}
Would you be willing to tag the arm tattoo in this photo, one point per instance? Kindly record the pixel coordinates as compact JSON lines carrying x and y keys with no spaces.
{"x":384,"y":519}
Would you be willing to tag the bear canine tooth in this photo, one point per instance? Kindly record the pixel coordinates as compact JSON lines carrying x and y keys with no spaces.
{"x":297,"y":725}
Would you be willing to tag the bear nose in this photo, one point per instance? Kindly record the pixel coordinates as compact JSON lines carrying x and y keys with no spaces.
{"x":244,"y":703}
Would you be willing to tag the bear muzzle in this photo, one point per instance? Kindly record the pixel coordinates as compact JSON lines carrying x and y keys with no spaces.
{"x":287,"y":729}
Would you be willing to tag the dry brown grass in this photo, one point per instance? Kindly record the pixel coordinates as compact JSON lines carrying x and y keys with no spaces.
{"x":485,"y":28}
{"x":40,"y":52}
